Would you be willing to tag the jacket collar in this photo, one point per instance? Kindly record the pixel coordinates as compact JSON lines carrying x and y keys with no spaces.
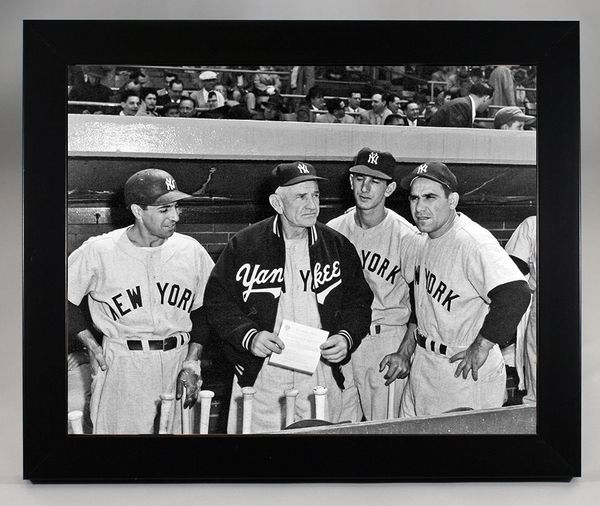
{"x":277,"y":230}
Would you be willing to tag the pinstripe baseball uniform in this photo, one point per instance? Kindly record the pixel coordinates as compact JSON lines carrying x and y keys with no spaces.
{"x":522,"y":244}
{"x":139,"y":298}
{"x":381,"y":249}
{"x":453,"y":276}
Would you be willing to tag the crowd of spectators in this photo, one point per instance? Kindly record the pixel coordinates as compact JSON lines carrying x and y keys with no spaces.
{"x":450,"y":96}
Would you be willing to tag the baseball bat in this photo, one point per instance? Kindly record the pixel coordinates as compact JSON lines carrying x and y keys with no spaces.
{"x":248,"y":393}
{"x":290,"y":406}
{"x":390,"y":404}
{"x":185,"y":414}
{"x":320,"y":397}
{"x":166,"y":403}
{"x":205,"y":398}
{"x":75,"y":421}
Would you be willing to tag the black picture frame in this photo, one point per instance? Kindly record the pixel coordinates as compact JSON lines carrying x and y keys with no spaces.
{"x":554,"y":453}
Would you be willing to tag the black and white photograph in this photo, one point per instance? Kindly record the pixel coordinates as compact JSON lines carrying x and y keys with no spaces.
{"x":307,"y":249}
{"x":277,"y":253}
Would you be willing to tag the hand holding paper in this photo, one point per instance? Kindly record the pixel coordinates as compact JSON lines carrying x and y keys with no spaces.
{"x":301,"y":350}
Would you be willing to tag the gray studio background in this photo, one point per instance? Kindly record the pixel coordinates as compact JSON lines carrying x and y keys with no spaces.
{"x":14,"y":491}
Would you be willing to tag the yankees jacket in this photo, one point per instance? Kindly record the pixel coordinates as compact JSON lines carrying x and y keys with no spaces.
{"x":242,"y":293}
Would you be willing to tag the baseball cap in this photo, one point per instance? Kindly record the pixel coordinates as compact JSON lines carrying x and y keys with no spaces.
{"x":207,"y":74}
{"x":288,"y":174}
{"x":152,"y":187}
{"x":436,"y":171}
{"x":374,"y":163}
{"x":507,"y":114}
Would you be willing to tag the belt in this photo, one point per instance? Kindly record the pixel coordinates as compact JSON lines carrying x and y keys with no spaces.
{"x":156,"y":344}
{"x":430,"y":344}
{"x":385,"y":329}
{"x":375,"y":329}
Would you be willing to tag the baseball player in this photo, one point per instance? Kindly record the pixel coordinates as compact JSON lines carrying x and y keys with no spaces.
{"x":469,"y":298}
{"x":145,"y":287}
{"x":522,"y":249}
{"x":381,"y":237}
{"x":287,"y":267}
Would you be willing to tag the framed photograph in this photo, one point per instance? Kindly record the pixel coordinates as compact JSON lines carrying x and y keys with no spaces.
{"x":79,"y":151}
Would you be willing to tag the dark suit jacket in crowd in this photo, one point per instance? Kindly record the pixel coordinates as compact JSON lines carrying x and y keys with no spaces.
{"x":420,"y":122}
{"x":164,"y":100}
{"x":456,"y":113}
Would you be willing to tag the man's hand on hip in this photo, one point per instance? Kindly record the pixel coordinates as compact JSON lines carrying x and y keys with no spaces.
{"x":472,"y":358}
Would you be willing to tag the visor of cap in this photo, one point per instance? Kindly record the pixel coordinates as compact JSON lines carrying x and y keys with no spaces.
{"x":369,"y":171}
{"x":302,"y":178}
{"x":170,"y":197}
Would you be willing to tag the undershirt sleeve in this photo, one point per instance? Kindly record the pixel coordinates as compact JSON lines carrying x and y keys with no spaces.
{"x":76,"y":319}
{"x":200,"y":332}
{"x":509,"y":302}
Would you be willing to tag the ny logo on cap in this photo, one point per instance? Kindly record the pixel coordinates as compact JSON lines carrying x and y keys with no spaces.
{"x":170,"y":182}
{"x":373,"y":157}
{"x":422,"y":169}
{"x":303,"y":168}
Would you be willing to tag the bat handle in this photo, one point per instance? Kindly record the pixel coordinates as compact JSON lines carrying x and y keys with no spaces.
{"x":75,"y":418}
{"x":166,"y":404}
{"x":320,"y":397}
{"x":248,"y":393}
{"x":390,"y":403}
{"x":185,"y":414}
{"x":290,"y":406}
{"x":205,"y":399}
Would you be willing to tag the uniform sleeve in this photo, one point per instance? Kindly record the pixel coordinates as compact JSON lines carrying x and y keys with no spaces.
{"x":205,"y":267}
{"x":357,"y":299}
{"x":224,"y":305}
{"x":200,"y":332}
{"x":409,"y":245}
{"x":520,"y":244}
{"x":81,"y":274}
{"x":489,"y":266}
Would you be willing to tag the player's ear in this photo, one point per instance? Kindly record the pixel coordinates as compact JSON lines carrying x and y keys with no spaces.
{"x":275,"y":201}
{"x":390,"y":188}
{"x":351,"y":182}
{"x":453,"y":198}
{"x":136,"y":210}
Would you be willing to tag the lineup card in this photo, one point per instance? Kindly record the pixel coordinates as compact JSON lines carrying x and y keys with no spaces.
{"x":301,"y":352}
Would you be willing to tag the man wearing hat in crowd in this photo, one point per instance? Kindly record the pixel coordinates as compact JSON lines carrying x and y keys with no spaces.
{"x":145,"y":287}
{"x":511,"y":118}
{"x":381,"y":238}
{"x":469,"y":298}
{"x":207,"y":81}
{"x":289,"y":267}
{"x":91,"y":90}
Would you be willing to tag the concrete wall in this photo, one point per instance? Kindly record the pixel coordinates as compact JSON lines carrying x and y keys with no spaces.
{"x":226,"y":164}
